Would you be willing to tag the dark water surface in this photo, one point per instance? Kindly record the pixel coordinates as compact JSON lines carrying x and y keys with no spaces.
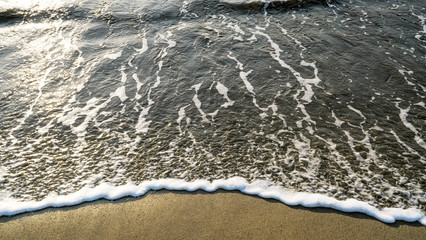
{"x":320,"y":97}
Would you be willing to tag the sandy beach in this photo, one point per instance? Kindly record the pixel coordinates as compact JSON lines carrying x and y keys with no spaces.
{"x":199,"y":215}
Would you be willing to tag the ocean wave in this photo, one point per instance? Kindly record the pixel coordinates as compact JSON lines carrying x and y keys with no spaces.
{"x":325,"y":100}
{"x":144,"y":10}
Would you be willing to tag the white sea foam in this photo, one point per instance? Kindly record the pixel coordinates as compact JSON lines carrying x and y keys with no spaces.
{"x":337,"y":121}
{"x":181,"y":116}
{"x":113,"y":56}
{"x":3,"y":172}
{"x":70,"y":115}
{"x":403,"y":116}
{"x":197,"y":103}
{"x":422,"y":22}
{"x":224,"y":91}
{"x":34,"y":4}
{"x":144,"y":47}
{"x":249,"y":87}
{"x":263,"y":189}
{"x":142,"y":126}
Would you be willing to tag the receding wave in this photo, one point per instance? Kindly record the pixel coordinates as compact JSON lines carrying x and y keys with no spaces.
{"x":309,"y":102}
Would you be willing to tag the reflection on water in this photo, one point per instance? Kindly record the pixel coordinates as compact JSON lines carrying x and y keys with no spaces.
{"x":325,"y":98}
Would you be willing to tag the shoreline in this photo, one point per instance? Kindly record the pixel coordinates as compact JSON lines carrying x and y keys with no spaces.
{"x":263,"y":189}
{"x":168,"y":214}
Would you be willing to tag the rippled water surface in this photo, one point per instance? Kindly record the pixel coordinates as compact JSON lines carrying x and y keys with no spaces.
{"x":321,"y":97}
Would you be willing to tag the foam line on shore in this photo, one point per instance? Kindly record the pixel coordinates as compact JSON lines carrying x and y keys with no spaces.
{"x":264,"y":189}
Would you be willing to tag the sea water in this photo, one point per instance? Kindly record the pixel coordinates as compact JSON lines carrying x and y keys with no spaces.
{"x":313,"y":103}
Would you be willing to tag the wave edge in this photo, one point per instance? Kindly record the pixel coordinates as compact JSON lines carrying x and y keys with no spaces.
{"x":264,"y":189}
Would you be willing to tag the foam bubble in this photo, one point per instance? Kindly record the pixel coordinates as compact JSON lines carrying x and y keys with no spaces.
{"x":113,"y":56}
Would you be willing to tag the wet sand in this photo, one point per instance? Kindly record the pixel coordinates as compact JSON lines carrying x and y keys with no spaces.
{"x":199,"y":215}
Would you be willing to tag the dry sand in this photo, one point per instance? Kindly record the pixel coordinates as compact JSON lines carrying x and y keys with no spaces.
{"x":200,"y":215}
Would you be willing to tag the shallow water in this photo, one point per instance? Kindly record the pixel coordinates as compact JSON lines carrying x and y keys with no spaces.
{"x":321,"y":97}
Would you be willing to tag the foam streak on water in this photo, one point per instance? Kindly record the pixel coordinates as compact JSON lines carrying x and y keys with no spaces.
{"x":308,"y":102}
